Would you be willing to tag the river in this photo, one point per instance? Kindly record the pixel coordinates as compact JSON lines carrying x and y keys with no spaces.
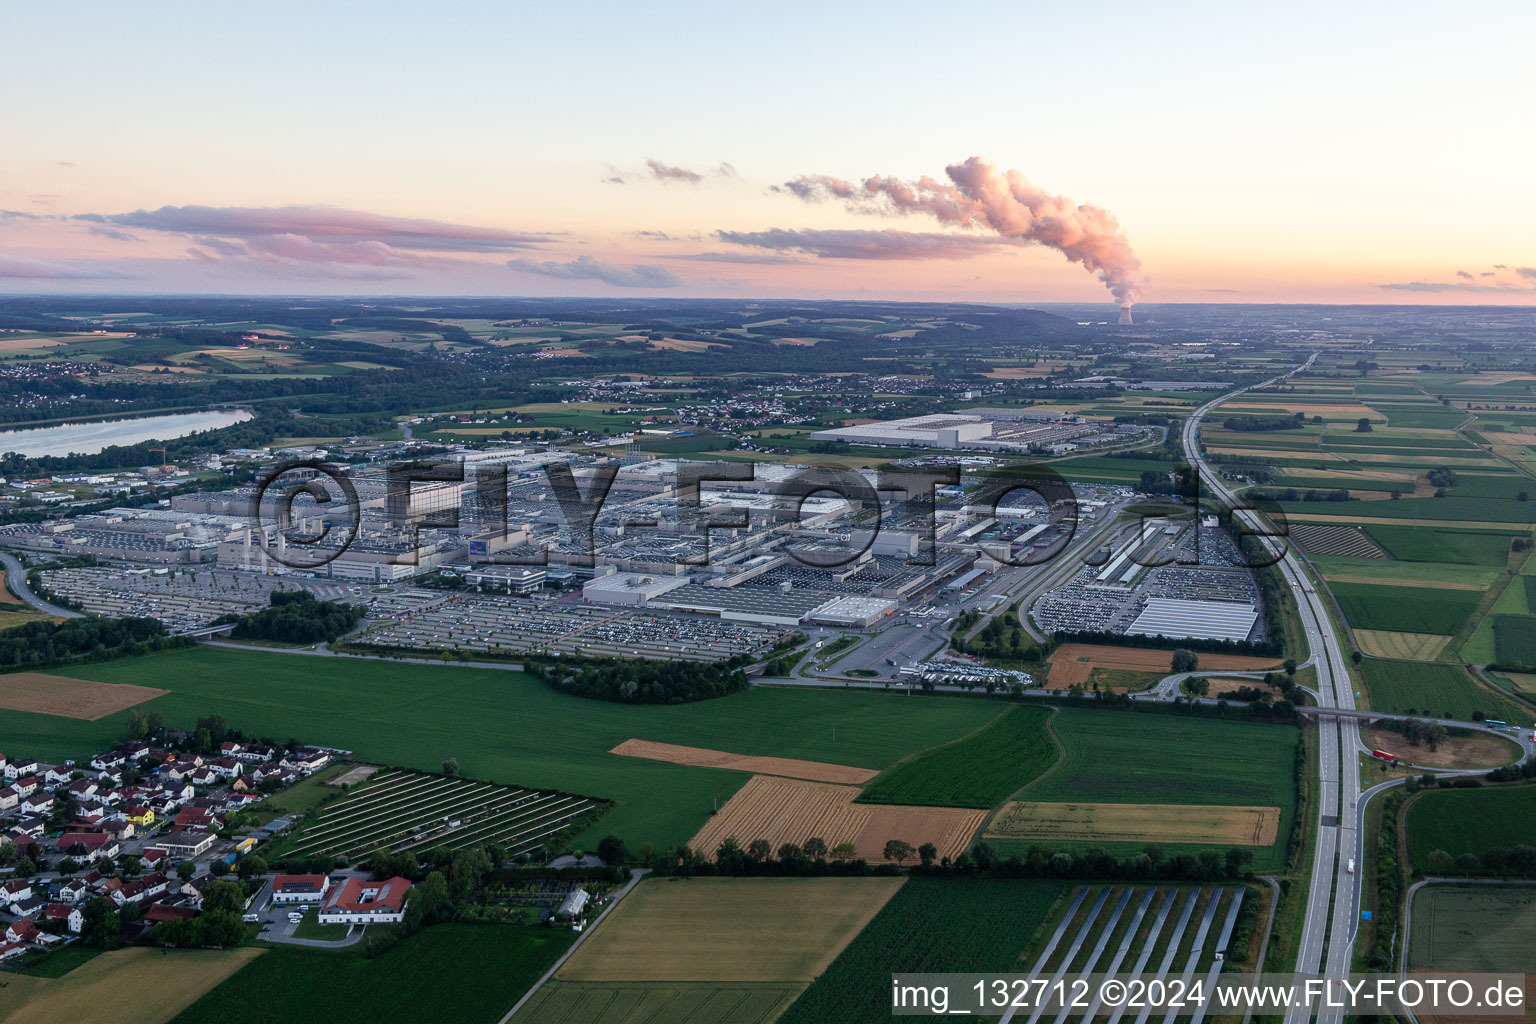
{"x":90,"y":438}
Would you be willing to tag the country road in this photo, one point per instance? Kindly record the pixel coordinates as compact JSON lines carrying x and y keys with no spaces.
{"x":16,"y":578}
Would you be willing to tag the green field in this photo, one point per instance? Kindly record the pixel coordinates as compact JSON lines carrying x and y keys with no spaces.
{"x":1407,"y":573}
{"x":981,"y":770}
{"x":1423,"y":544}
{"x":1473,"y":928}
{"x":1405,"y":609}
{"x":478,"y":970}
{"x":1472,"y":821}
{"x":1514,"y":641}
{"x":506,"y":727}
{"x":930,"y":925}
{"x":654,"y":1002}
{"x":1433,"y":690}
{"x":1130,"y":757}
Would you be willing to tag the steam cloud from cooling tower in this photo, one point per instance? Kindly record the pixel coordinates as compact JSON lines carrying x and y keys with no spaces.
{"x":978,"y":194}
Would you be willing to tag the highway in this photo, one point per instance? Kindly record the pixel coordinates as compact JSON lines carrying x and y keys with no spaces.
{"x":1334,"y":892}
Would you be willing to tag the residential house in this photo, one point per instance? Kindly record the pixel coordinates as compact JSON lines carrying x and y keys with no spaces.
{"x":197,"y":819}
{"x":74,"y":890}
{"x":161,"y":912}
{"x":306,"y":759}
{"x":87,"y":846}
{"x":9,"y":798}
{"x":25,"y":786}
{"x":15,"y":889}
{"x":57,"y":775}
{"x":29,"y":907}
{"x":21,"y":768}
{"x":37,"y":803}
{"x":72,"y":916}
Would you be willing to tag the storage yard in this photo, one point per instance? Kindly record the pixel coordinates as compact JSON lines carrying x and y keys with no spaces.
{"x":1171,"y":578}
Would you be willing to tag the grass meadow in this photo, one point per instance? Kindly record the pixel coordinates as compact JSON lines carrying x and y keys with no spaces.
{"x":505,"y":727}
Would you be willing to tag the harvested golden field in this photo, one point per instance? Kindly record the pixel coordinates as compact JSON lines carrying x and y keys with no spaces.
{"x":1382,"y":643}
{"x":1398,"y":581}
{"x":792,"y":811}
{"x":1073,"y":664}
{"x":700,"y":757}
{"x":1134,"y":823}
{"x":729,"y":929}
{"x":125,"y":986}
{"x":1408,"y":480}
{"x":1283,"y":406}
{"x":1479,"y":750}
{"x":64,"y":697}
{"x":686,"y":345}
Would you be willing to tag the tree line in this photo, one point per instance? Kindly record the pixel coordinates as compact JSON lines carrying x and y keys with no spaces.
{"x":640,"y":681}
{"x":296,"y":617}
{"x":41,"y":644}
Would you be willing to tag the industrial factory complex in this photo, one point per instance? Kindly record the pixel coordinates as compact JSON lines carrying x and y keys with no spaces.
{"x":488,"y":562}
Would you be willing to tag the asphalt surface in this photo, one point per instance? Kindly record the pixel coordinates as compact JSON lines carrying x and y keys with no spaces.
{"x":16,"y":577}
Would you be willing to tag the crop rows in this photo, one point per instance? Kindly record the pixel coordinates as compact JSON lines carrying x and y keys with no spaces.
{"x":981,"y":770}
{"x":954,"y":925}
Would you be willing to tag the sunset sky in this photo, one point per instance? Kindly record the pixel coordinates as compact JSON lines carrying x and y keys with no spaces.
{"x":1287,"y":153}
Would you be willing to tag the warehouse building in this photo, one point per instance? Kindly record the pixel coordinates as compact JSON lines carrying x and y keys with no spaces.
{"x":1195,"y":620}
{"x":940,"y":430}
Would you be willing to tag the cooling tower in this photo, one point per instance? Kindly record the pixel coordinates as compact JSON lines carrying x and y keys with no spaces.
{"x":1125,"y":315}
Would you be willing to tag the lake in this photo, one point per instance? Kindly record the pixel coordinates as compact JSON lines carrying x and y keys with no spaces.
{"x":90,"y":438}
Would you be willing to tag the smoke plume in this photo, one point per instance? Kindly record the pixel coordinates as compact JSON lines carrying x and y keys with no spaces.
{"x":978,"y":194}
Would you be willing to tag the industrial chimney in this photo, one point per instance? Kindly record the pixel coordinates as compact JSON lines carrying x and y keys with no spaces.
{"x":1125,"y":315}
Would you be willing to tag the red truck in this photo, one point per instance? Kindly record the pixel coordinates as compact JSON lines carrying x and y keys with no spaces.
{"x":1385,"y":755}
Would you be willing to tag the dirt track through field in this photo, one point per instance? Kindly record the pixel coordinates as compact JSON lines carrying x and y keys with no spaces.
{"x":64,"y":697}
{"x":792,"y":811}
{"x":701,"y":757}
{"x":1129,"y":823}
{"x":1074,"y":663}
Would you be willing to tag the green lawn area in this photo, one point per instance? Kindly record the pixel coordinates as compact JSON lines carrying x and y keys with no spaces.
{"x":59,"y":962}
{"x":476,"y":971}
{"x":930,"y":925}
{"x":1474,"y":821}
{"x":308,"y":793}
{"x":1434,"y":690}
{"x":506,"y":727}
{"x":981,"y":770}
{"x":1405,"y":609}
{"x":311,"y":928}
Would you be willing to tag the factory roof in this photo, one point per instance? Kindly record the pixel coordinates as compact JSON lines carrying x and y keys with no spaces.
{"x":1195,"y":620}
